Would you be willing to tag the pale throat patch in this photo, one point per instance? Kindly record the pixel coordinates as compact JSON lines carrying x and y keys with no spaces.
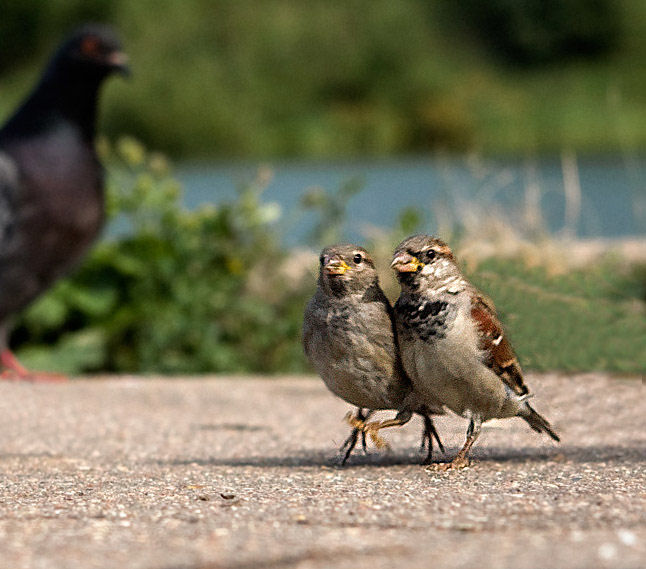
{"x":444,"y":276}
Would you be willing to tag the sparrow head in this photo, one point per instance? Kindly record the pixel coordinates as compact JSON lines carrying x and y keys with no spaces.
{"x":346,"y":269}
{"x":424,"y":259}
{"x":93,"y":51}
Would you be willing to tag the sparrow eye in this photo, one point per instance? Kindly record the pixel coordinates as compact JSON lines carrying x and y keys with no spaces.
{"x":430,"y":254}
{"x":358,"y":258}
{"x":322,"y":259}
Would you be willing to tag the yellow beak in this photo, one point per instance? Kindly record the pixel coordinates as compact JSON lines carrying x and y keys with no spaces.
{"x":336,"y":267}
{"x":406,"y":263}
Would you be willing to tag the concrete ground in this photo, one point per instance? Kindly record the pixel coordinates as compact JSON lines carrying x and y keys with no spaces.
{"x":239,"y":473}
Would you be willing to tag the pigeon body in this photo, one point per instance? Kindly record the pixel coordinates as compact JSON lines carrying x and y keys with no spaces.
{"x":350,"y":339}
{"x":452,"y":344}
{"x":51,"y":181}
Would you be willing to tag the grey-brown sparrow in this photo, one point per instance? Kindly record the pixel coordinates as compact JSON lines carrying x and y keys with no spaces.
{"x":349,"y":337}
{"x":453,"y":346}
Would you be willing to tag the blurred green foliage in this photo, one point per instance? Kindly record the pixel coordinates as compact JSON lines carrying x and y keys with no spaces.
{"x":585,"y":319}
{"x":535,"y":32}
{"x":335,"y":78}
{"x":212,"y":290}
{"x":32,"y":27}
{"x":180,"y":292}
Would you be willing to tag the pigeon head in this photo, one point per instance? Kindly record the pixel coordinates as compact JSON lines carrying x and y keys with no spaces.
{"x":68,"y":90}
{"x":91,"y":52}
{"x":422,"y":259}
{"x":346,"y":269}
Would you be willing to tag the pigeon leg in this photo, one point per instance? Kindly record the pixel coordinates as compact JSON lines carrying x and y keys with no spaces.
{"x":428,"y":435}
{"x":15,"y":371}
{"x":461,"y":459}
{"x":9,"y":361}
{"x":351,"y":441}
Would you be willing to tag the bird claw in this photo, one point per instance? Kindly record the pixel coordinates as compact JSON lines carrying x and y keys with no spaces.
{"x":380,"y":442}
{"x":354,"y":422}
{"x":458,"y":463}
{"x":371,"y":429}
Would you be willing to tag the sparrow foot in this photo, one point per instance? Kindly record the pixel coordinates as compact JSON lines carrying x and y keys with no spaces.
{"x":458,"y":463}
{"x":349,"y":443}
{"x":370,"y":429}
{"x":428,"y":435}
{"x":461,"y":459}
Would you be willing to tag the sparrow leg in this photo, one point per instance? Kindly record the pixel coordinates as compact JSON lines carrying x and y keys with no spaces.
{"x":461,"y":459}
{"x":372,"y":429}
{"x":369,"y":429}
{"x":428,"y":435}
{"x":15,"y":371}
{"x":351,"y":441}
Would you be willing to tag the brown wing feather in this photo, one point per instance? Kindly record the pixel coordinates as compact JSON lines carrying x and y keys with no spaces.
{"x":500,"y":355}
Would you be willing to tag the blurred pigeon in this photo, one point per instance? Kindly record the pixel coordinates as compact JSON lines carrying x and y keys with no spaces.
{"x":51,"y":181}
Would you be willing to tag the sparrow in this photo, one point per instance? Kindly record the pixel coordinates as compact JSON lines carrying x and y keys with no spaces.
{"x":452,"y":344}
{"x":51,"y":181}
{"x":349,"y":337}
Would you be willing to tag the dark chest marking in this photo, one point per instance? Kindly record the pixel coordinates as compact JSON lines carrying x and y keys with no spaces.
{"x":427,"y":319}
{"x":339,"y":318}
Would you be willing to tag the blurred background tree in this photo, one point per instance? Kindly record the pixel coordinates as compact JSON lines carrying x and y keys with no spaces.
{"x":535,"y":32}
{"x":322,"y":78}
{"x":178,"y":291}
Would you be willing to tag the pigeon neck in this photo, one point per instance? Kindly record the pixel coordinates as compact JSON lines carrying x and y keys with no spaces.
{"x":61,"y":98}
{"x":74,"y":98}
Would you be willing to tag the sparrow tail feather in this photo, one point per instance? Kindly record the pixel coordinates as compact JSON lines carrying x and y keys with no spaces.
{"x":539,"y":423}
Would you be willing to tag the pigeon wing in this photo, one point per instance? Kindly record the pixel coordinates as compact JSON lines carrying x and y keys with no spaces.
{"x":8,"y":189}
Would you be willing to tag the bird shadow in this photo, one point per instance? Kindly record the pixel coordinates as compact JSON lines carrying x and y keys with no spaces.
{"x":305,"y":459}
{"x":564,"y":453}
{"x":490,"y":455}
{"x":241,"y":427}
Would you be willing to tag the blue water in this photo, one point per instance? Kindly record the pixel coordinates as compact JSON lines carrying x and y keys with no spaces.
{"x":613,"y":192}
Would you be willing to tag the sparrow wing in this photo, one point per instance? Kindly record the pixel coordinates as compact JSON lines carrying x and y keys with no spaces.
{"x":500,"y":356}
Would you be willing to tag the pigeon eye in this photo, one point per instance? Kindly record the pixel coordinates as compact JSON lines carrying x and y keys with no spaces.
{"x":90,"y":47}
{"x":358,"y":258}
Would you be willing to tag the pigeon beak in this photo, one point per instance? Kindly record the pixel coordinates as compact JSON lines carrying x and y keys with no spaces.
{"x":406,"y":263}
{"x":336,"y":267}
{"x":118,"y":61}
